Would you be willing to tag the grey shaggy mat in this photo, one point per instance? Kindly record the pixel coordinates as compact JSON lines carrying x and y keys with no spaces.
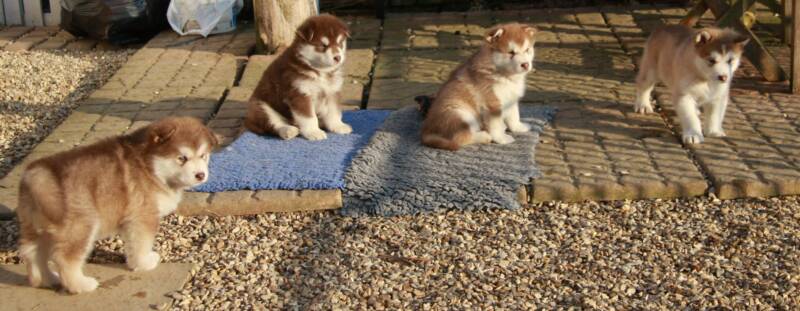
{"x":395,"y":175}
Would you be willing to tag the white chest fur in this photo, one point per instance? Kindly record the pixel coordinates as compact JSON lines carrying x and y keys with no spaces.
{"x":705,"y":93}
{"x":322,"y":85}
{"x":168,"y":202}
{"x":509,"y":90}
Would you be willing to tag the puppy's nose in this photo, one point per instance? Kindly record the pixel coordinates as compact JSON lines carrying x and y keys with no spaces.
{"x":526,"y":66}
{"x":337,"y":58}
{"x":200,"y":176}
{"x":723,"y":78}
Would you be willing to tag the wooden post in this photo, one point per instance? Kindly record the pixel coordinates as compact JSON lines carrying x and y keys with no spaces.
{"x":277,"y":20}
{"x":786,"y":19}
{"x":795,"y":43}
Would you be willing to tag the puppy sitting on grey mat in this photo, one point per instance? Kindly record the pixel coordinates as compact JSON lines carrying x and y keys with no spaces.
{"x":122,"y":184}
{"x":480,"y":99}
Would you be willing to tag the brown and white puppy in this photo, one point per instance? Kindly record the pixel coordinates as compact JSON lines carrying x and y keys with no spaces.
{"x":481,"y":98}
{"x":697,"y":67}
{"x":123,"y":185}
{"x":299,"y":91}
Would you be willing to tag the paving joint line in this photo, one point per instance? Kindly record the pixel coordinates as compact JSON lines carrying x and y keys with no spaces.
{"x":371,"y":75}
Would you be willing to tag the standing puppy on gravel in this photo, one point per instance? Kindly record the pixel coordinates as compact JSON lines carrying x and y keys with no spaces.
{"x":697,"y":66}
{"x":299,"y":91}
{"x":123,"y":185}
{"x":482,"y":95}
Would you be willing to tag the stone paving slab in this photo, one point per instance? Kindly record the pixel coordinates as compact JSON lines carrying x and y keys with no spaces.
{"x":120,"y":289}
{"x":365,"y":31}
{"x":400,"y":75}
{"x":236,"y":203}
{"x":20,"y":38}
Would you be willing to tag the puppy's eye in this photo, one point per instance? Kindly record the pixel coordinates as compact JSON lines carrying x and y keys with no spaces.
{"x":182,"y":159}
{"x":205,"y":156}
{"x":712,"y":61}
{"x":324,"y":46}
{"x":512,"y":53}
{"x":730,"y":60}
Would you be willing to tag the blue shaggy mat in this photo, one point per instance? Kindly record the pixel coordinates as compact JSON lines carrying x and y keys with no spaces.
{"x":254,"y":162}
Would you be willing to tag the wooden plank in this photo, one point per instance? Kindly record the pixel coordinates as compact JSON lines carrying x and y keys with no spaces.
{"x":759,"y":56}
{"x":13,"y":12}
{"x":795,"y":55}
{"x":33,"y":13}
{"x":54,"y":17}
{"x":695,"y":14}
{"x":773,"y":5}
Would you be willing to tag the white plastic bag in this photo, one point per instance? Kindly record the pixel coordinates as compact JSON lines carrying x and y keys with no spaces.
{"x":203,"y":17}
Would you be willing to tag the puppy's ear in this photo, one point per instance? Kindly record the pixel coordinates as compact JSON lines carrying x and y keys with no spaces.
{"x":702,"y":37}
{"x":161,"y":132}
{"x":530,"y":30}
{"x":493,"y":34}
{"x":305,"y":32}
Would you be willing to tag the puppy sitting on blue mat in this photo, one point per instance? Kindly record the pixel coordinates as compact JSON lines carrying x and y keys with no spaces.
{"x":299,"y":91}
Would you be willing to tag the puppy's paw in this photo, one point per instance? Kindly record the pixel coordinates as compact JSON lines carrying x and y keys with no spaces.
{"x":643,"y":107}
{"x":481,"y":137}
{"x":288,"y":132}
{"x":716,"y":133}
{"x":145,"y":262}
{"x":519,"y":127}
{"x":503,"y":139}
{"x":341,"y":128}
{"x":83,"y":284}
{"x":314,"y":134}
{"x":692,"y":137}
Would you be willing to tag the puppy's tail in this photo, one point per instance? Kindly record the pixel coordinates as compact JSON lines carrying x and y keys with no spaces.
{"x":425,"y":102}
{"x":256,"y":120}
{"x":460,"y":138}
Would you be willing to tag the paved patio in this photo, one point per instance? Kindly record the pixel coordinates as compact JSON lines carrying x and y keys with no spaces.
{"x":596,"y":148}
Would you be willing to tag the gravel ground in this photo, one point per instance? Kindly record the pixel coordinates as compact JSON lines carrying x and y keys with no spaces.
{"x":644,"y":255}
{"x":38,"y":90}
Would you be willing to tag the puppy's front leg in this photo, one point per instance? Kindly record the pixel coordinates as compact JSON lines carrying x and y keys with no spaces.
{"x":305,"y":117}
{"x":332,"y":117}
{"x":511,"y":117}
{"x":493,"y":118}
{"x":686,"y":108}
{"x":139,"y":234}
{"x":715,"y":115}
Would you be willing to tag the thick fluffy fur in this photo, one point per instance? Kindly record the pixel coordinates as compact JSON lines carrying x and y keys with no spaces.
{"x":479,"y":102}
{"x":299,"y":91}
{"x":122,"y":185}
{"x":697,"y":66}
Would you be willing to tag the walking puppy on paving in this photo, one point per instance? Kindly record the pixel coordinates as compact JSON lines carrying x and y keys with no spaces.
{"x":482,"y":95}
{"x":697,"y":66}
{"x":299,"y":91}
{"x":123,"y":185}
